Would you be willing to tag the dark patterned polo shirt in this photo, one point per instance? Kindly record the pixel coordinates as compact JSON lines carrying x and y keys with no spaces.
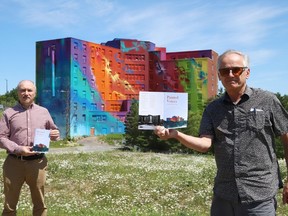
{"x":243,"y":139}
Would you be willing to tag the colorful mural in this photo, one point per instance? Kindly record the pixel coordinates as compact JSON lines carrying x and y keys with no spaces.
{"x":183,"y":75}
{"x":88,"y":87}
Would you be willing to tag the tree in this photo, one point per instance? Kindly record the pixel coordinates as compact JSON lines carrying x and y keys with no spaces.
{"x":279,"y":146}
{"x":133,"y":137}
{"x":146,"y":140}
{"x":142,"y":140}
{"x":9,"y":99}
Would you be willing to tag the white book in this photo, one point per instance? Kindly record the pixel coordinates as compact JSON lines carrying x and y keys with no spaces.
{"x":41,"y":140}
{"x":169,"y":109}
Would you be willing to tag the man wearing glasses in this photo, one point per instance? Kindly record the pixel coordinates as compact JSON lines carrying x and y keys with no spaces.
{"x":242,"y":126}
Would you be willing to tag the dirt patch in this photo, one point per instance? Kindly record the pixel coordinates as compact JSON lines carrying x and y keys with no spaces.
{"x":88,"y":144}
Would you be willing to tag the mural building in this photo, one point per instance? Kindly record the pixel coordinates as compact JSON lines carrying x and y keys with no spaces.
{"x":88,"y":87}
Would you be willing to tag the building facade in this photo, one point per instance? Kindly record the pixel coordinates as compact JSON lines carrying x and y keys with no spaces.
{"x":88,"y":87}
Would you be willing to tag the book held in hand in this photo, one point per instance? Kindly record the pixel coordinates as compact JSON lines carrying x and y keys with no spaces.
{"x":41,"y":140}
{"x":169,"y":109}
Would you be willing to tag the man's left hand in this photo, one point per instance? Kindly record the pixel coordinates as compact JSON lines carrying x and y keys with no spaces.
{"x":54,"y":135}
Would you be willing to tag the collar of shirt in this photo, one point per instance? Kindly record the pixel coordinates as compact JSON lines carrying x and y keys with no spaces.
{"x":19,"y":105}
{"x":247,"y":94}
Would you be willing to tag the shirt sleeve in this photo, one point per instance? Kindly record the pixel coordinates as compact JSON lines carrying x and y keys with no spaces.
{"x":50,"y":125}
{"x":5,"y":142}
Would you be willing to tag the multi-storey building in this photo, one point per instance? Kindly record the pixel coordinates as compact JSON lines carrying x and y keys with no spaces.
{"x":88,"y":87}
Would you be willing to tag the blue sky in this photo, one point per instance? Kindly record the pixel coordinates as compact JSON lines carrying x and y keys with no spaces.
{"x":258,"y":28}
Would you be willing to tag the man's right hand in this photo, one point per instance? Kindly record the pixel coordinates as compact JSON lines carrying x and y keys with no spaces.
{"x":25,"y":151}
{"x":165,"y":133}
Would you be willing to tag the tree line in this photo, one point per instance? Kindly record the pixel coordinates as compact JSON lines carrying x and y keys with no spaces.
{"x":8,"y":100}
{"x":144,"y":140}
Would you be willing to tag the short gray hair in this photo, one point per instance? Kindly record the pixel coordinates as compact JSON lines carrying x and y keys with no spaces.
{"x":18,"y":86}
{"x":246,"y":62}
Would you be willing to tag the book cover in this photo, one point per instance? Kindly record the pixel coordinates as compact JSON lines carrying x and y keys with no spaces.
{"x":169,"y":109}
{"x":41,"y":140}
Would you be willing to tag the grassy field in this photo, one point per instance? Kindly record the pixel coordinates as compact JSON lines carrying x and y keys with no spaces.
{"x":127,"y":183}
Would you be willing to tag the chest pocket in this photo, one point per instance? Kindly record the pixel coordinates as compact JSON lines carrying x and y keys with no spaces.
{"x":256,"y":120}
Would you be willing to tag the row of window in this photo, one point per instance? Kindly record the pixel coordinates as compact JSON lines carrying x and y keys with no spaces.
{"x":104,"y":63}
{"x":76,"y":81}
{"x":135,"y":67}
{"x":84,"y":94}
{"x":95,"y":50}
{"x":93,"y":106}
{"x":137,"y":77}
{"x":115,"y":107}
{"x":95,"y":118}
{"x":134,"y":57}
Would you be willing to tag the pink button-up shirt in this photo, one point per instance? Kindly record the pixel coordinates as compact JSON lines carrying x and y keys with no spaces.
{"x":17,"y":125}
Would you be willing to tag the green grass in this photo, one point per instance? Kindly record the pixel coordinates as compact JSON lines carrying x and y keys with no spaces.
{"x":63,"y":143}
{"x":111,"y":139}
{"x":128,"y":183}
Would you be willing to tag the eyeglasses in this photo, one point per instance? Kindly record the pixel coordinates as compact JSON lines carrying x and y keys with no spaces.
{"x":236,"y":71}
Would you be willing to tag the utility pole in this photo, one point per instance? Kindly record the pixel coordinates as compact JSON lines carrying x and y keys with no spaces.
{"x":6,"y":86}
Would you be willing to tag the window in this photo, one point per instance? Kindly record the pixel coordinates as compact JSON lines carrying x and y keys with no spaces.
{"x":75,"y":70}
{"x":83,"y":106}
{"x":84,"y":47}
{"x":93,"y":106}
{"x":94,"y":117}
{"x":75,"y":45}
{"x":75,"y":106}
{"x":92,"y":81}
{"x":98,"y":118}
{"x":75,"y":56}
{"x":92,"y":50}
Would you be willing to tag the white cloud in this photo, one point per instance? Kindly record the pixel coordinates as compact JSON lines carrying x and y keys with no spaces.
{"x":165,"y":23}
{"x":60,"y":14}
{"x":200,"y":27}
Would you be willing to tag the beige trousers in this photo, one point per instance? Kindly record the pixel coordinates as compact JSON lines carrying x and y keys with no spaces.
{"x":16,"y":172}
